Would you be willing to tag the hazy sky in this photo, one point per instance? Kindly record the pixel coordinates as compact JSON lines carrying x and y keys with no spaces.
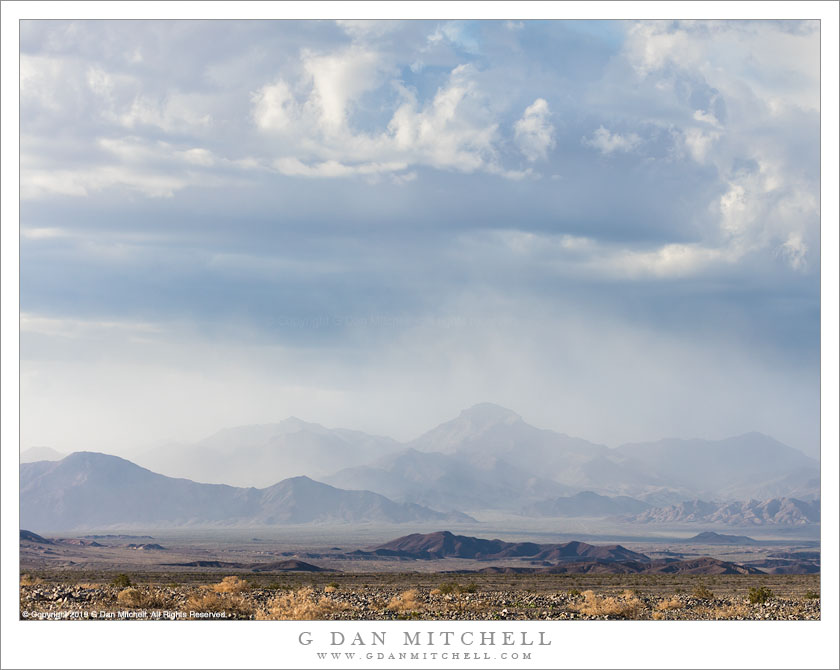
{"x":610,"y":227}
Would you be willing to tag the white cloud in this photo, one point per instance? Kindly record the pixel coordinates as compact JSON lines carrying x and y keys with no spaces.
{"x":698,"y":142}
{"x":274,"y":107}
{"x":171,"y":114}
{"x":533,"y":132}
{"x":42,"y":233}
{"x":154,"y":169}
{"x":753,"y":95}
{"x":706,"y":117}
{"x":455,"y":130}
{"x":794,"y":251}
{"x":339,"y":79}
{"x":576,"y":255}
{"x":456,"y":34}
{"x":293,"y":167}
{"x":607,"y":142}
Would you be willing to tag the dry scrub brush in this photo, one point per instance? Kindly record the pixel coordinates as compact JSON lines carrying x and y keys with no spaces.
{"x":726,"y":612}
{"x":702,"y":592}
{"x":232,"y":584}
{"x":300,"y":606}
{"x":673,"y":604}
{"x":133,"y":597}
{"x":29,"y":580}
{"x":626,"y":607}
{"x":215,"y":602}
{"x":405,"y":602}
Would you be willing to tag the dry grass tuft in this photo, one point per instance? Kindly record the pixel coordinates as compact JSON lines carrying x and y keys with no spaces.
{"x":232,"y":584}
{"x":435,"y":592}
{"x":300,"y":606}
{"x":133,"y":597}
{"x":658,"y":616}
{"x":626,"y":607}
{"x":405,"y":602}
{"x":211,"y":602}
{"x":726,"y":612}
{"x":130,"y":597}
{"x":672,"y":604}
{"x":329,"y":588}
{"x":29,"y":580}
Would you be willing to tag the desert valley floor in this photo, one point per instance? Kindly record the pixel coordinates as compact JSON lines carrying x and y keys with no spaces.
{"x":332,"y":572}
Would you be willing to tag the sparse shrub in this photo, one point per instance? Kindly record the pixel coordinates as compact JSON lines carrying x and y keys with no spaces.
{"x":232,"y":584}
{"x":630,"y":607}
{"x":812,"y":595}
{"x":448,"y":587}
{"x":29,"y":580}
{"x":671,"y":604}
{"x":405,"y":602}
{"x":122,"y":580}
{"x":658,"y":616}
{"x":213,"y":602}
{"x":130,"y":597}
{"x":702,"y":592}
{"x":727,"y":612}
{"x":574,"y":593}
{"x":134,"y":597}
{"x":334,"y":585}
{"x":435,"y":592}
{"x":454,"y":587}
{"x":759,"y":595}
{"x":300,"y":606}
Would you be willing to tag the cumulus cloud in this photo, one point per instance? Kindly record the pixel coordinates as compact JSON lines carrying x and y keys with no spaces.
{"x":534,"y":132}
{"x":760,"y":76}
{"x":454,"y":130}
{"x":608,"y":142}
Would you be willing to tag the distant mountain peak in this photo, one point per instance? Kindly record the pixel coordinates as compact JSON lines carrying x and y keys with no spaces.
{"x":488,"y":413}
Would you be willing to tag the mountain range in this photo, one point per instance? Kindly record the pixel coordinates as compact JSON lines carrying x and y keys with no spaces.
{"x":92,"y":490}
{"x":787,"y":511}
{"x":485,"y":459}
{"x":262,"y":455}
{"x":488,"y":457}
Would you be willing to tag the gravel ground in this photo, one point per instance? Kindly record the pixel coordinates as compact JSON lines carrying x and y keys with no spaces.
{"x":89,"y":601}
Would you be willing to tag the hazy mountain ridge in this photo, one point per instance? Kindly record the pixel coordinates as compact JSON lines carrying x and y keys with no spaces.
{"x":91,"y":490}
{"x":448,"y":481}
{"x":788,"y":511}
{"x":642,"y":474}
{"x":489,"y":458}
{"x":261,"y":455}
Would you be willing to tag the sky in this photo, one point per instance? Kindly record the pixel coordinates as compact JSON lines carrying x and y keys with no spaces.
{"x":612,"y":228}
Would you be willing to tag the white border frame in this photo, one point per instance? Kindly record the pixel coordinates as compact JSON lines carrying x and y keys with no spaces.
{"x":267,"y":644}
